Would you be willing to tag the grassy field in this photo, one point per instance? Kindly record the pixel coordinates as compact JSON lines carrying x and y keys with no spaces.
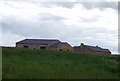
{"x":21,"y":63}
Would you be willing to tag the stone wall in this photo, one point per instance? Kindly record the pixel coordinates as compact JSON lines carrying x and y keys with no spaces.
{"x":31,"y":46}
{"x":65,"y":47}
{"x":55,"y":42}
{"x":83,"y":49}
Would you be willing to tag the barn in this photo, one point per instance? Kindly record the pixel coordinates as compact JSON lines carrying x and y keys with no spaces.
{"x":44,"y":44}
{"x":55,"y":44}
{"x":91,"y":49}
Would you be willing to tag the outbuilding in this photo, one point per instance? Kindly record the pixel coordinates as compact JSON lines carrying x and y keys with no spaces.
{"x":44,"y":44}
{"x":91,"y":49}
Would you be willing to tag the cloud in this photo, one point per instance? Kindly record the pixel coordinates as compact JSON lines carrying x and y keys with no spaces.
{"x":66,"y":0}
{"x":49,"y":17}
{"x":100,"y":5}
{"x":76,"y":24}
{"x":88,"y":5}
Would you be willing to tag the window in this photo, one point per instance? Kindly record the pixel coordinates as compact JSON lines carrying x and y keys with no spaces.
{"x":25,"y":46}
{"x":60,"y":49}
{"x":43,"y":48}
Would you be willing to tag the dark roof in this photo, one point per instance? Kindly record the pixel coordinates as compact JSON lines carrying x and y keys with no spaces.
{"x":96,"y":48}
{"x":58,"y":44}
{"x":76,"y":46}
{"x":36,"y":41}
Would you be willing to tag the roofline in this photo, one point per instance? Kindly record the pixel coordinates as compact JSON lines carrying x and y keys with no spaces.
{"x":30,"y":43}
{"x":37,"y":39}
{"x":41,"y":39}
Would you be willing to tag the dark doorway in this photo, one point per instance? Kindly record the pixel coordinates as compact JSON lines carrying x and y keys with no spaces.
{"x":43,"y":48}
{"x":25,"y":46}
{"x":60,"y":49}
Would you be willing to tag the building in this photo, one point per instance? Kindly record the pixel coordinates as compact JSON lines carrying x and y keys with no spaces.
{"x":62,"y":46}
{"x":44,"y":44}
{"x":50,"y":44}
{"x":91,"y":49}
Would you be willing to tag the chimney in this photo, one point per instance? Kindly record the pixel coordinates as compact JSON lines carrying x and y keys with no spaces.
{"x":82,"y":44}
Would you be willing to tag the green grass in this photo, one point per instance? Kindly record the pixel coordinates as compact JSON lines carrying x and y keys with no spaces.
{"x":21,"y":63}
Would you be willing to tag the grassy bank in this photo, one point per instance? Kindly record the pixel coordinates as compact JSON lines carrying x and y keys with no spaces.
{"x":21,"y":63}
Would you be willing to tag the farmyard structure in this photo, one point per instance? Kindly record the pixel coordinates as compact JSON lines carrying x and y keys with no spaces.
{"x":54,"y":44}
{"x":44,"y":44}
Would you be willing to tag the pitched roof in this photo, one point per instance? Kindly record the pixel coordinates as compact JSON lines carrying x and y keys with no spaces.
{"x":58,"y":44}
{"x":36,"y":41}
{"x":96,"y":48}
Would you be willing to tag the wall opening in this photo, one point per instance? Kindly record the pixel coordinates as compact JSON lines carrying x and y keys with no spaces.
{"x":60,"y":49}
{"x":67,"y":50}
{"x":25,"y":46}
{"x":42,"y":47}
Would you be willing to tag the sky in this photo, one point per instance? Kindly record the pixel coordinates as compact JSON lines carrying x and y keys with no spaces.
{"x":91,"y":23}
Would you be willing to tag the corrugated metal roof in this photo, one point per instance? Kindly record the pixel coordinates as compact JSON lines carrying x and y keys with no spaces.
{"x":36,"y":41}
{"x":97,"y":48}
{"x":58,"y":44}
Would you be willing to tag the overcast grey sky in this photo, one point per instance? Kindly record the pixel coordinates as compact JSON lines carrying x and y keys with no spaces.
{"x":93,"y":23}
